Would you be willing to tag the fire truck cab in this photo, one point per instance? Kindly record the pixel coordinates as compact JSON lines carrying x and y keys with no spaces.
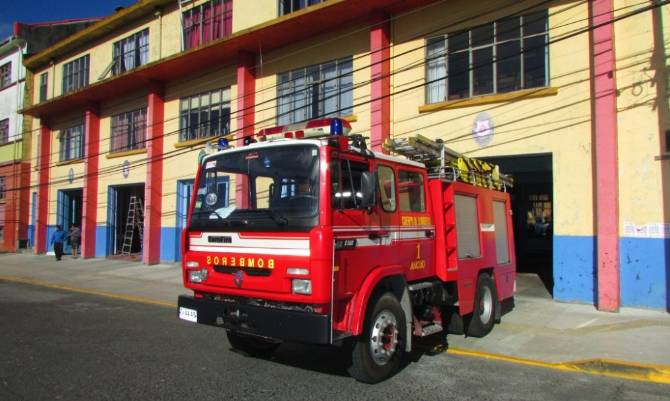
{"x":306,"y":235}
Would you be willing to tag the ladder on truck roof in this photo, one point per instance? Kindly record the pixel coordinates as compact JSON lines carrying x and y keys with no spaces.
{"x":449,"y":165}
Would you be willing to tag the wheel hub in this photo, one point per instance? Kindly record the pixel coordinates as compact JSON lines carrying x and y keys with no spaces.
{"x":384,"y":337}
{"x":486,"y":305}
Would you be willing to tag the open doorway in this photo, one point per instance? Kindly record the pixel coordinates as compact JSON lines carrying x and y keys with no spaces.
{"x":532,"y":208}
{"x":68,"y":210}
{"x":125,"y":220}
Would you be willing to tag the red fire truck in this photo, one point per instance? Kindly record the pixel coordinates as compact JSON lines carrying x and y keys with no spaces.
{"x":305,"y":235}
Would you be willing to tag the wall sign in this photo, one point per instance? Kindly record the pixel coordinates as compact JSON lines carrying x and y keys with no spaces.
{"x":482,"y":129}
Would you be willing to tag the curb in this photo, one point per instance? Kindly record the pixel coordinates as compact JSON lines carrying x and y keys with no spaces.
{"x":598,"y":366}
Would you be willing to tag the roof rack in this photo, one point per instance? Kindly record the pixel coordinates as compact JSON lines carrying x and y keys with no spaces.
{"x":449,"y":165}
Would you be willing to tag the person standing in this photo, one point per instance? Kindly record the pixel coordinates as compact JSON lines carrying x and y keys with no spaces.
{"x":57,"y":239}
{"x":75,"y":239}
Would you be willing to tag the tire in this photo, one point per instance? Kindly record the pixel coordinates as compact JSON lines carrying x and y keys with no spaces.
{"x":252,"y":346}
{"x":378,"y":353}
{"x":485,"y":307}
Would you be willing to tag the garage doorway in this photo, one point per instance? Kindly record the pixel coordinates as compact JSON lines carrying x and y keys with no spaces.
{"x":120,"y":222}
{"x":532,"y":208}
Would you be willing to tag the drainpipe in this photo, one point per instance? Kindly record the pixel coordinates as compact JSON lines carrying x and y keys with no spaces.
{"x":18,"y":138}
{"x":181,"y":25}
{"x":159,"y":13}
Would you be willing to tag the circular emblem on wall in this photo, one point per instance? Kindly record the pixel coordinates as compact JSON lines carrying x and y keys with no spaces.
{"x":482,"y":129}
{"x":201,"y":156}
{"x":125,"y":170}
{"x":70,"y":175}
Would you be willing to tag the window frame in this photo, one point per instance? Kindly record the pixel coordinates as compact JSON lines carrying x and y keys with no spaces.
{"x":295,"y":5}
{"x":3,"y":189}
{"x":422,"y":186}
{"x":44,"y":86}
{"x":185,"y":114}
{"x":393,"y":196}
{"x":340,"y":173}
{"x":140,"y":52}
{"x":438,"y":89}
{"x":66,"y":136}
{"x":6,"y":75}
{"x":75,"y":79}
{"x":223,"y":22}
{"x":4,"y":131}
{"x":130,"y":125}
{"x":295,"y":92}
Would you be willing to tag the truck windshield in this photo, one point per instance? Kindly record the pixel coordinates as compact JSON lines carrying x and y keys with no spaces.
{"x":262,"y":189}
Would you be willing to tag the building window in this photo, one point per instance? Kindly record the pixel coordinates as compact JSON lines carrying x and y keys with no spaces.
{"x":131,"y":52}
{"x":3,"y":189}
{"x":204,"y":115}
{"x":72,"y":143}
{"x":44,"y":84}
{"x":75,"y":74}
{"x":501,"y":56}
{"x":4,"y":131}
{"x":129,"y":130}
{"x":289,"y":6}
{"x":316,"y":91}
{"x":5,"y":75}
{"x":206,"y":22}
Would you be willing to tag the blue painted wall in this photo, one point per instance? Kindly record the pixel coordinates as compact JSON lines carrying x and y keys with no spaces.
{"x":645,"y":272}
{"x":169,"y":244}
{"x":100,"y":241}
{"x":50,"y":231}
{"x":574,"y":269}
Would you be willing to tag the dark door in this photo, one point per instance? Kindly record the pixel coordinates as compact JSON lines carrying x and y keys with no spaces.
{"x":532,"y":208}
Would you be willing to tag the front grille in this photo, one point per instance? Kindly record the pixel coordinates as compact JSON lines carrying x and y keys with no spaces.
{"x":249,"y":271}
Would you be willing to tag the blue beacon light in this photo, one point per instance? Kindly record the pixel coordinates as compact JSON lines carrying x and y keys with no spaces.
{"x":222,"y":143}
{"x":336,"y":127}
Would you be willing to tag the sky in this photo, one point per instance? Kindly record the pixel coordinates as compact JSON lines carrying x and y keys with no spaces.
{"x":53,"y":10}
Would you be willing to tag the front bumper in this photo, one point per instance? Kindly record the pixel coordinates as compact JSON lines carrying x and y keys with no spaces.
{"x":267,"y":322}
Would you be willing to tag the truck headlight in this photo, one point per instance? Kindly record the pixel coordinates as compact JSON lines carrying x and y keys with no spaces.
{"x":300,"y":286}
{"x":197,"y":276}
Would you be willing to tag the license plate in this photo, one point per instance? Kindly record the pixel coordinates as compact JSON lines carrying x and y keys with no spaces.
{"x":188,"y":314}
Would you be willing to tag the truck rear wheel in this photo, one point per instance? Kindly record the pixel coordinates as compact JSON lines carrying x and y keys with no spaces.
{"x":252,"y":346}
{"x":379,"y":351}
{"x":484,"y":312}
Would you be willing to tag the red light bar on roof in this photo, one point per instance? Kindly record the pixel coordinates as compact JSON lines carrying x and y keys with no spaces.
{"x":307,"y":129}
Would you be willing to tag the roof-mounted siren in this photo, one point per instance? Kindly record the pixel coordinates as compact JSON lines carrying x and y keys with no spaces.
{"x":308,"y":129}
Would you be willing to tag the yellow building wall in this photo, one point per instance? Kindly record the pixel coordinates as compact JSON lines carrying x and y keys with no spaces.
{"x":249,"y":13}
{"x":558,"y":124}
{"x":353,"y":42}
{"x":111,"y":166}
{"x":641,"y":111}
{"x":181,"y":163}
{"x":59,"y":172}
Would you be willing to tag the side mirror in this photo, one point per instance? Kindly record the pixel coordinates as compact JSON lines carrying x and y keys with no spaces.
{"x":368,"y":189}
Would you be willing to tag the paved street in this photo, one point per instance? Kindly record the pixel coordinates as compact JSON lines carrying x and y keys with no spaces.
{"x":71,"y":346}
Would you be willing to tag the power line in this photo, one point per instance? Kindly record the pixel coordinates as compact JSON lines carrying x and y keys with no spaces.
{"x":171,"y":154}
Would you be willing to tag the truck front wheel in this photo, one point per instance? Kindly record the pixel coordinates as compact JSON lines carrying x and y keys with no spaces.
{"x":486,"y":303}
{"x":378,"y":352}
{"x":252,"y":346}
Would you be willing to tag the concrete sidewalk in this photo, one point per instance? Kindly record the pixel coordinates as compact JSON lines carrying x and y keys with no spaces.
{"x":538,"y":329}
